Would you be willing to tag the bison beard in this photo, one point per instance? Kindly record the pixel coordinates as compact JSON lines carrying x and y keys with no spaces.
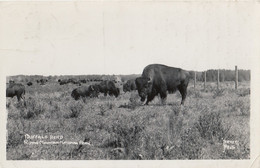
{"x":158,"y":79}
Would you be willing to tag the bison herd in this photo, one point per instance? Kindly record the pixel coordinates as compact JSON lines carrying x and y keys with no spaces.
{"x":156,"y":79}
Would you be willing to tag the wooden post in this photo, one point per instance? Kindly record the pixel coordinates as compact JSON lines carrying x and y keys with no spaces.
{"x":195,"y":79}
{"x":218,"y":80}
{"x":205,"y":80}
{"x":236,"y":79}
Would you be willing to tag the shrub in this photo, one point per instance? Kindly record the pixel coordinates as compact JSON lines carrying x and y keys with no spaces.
{"x":133,"y":102}
{"x":218,"y":93}
{"x":210,"y":126}
{"x":191,"y":144}
{"x":105,"y":107}
{"x":241,"y":107}
{"x":243,"y":92}
{"x":126,"y":135}
{"x":75,"y":109}
{"x":34,"y":108}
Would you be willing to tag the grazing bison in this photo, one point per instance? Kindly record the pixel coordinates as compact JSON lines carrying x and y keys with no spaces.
{"x":83,"y":81}
{"x":158,"y":79}
{"x":42,"y":81}
{"x":108,"y":87}
{"x":84,"y":91}
{"x":29,"y":83}
{"x":63,"y":82}
{"x":16,"y":89}
{"x":129,"y":85}
{"x":94,"y":90}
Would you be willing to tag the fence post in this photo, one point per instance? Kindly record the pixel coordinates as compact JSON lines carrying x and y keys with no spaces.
{"x":218,"y":80}
{"x":195,"y":79}
{"x":205,"y":80}
{"x":236,"y":79}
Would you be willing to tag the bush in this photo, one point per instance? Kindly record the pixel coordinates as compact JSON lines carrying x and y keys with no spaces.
{"x":34,"y":108}
{"x":218,"y":93}
{"x":210,"y":127}
{"x":133,"y":102}
{"x":240,"y":106}
{"x":76,"y":109}
{"x":243,"y":92}
{"x":125,"y":135}
{"x":191,"y":144}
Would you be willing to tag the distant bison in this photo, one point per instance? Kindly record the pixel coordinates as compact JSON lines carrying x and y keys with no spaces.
{"x":29,"y":83}
{"x":84,"y":91}
{"x":66,"y":81}
{"x":63,"y":81}
{"x":158,"y":79}
{"x":15,"y":89}
{"x":83,"y":81}
{"x":129,"y":85}
{"x":42,"y":81}
{"x":108,"y":87}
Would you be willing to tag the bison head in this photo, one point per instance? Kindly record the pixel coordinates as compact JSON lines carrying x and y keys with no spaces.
{"x":75,"y":94}
{"x":143,"y":85}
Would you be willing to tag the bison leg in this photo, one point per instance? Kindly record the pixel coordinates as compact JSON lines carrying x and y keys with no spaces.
{"x":183,"y":91}
{"x":150,"y":97}
{"x":18,"y":97}
{"x":163,"y":96}
{"x":163,"y":93}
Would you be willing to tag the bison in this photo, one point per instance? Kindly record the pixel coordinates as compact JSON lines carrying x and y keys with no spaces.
{"x":108,"y":87}
{"x":42,"y":81}
{"x":83,"y":80}
{"x":129,"y":85}
{"x":29,"y":83}
{"x":84,"y":91}
{"x":158,"y":79}
{"x":63,"y":81}
{"x":16,"y":89}
{"x":11,"y":81}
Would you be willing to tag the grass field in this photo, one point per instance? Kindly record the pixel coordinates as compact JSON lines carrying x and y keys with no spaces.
{"x":122,"y":128}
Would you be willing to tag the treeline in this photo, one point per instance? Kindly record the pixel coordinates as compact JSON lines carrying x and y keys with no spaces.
{"x":211,"y":76}
{"x":224,"y":75}
{"x":55,"y":78}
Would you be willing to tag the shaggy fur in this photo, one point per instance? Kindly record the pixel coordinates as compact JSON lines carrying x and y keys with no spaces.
{"x":158,"y":79}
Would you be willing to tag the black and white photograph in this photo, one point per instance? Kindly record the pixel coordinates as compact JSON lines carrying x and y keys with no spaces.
{"x":138,"y":81}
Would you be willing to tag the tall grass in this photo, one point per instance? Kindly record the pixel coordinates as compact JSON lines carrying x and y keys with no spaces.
{"x":123,"y":128}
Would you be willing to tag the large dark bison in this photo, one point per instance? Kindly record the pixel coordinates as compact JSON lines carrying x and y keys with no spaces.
{"x":16,"y":89}
{"x":84,"y":91}
{"x":158,"y":79}
{"x":108,"y":87}
{"x":129,"y":85}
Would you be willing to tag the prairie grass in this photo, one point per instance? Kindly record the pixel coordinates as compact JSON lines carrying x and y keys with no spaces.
{"x":123,"y":128}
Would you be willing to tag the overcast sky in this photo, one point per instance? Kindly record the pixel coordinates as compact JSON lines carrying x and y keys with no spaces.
{"x":44,"y":38}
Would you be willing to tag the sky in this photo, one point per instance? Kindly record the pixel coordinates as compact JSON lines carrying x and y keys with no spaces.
{"x":80,"y":38}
